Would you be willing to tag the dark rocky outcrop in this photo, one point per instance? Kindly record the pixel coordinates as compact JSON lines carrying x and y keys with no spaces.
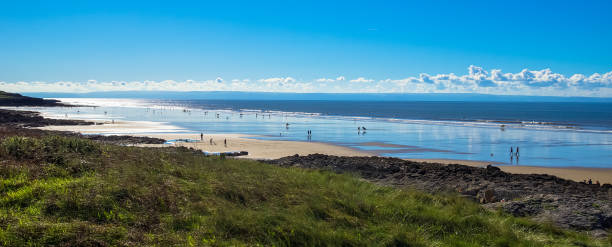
{"x":14,"y":122}
{"x":124,"y":140}
{"x":14,"y":99}
{"x":33,"y":119}
{"x":30,"y":118}
{"x":564,"y":202}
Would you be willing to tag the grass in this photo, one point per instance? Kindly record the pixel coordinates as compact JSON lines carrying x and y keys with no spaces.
{"x":5,"y":95}
{"x":69,"y":191}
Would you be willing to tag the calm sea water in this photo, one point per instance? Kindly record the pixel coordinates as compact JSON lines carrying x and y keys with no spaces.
{"x":548,"y":134}
{"x":580,"y":115}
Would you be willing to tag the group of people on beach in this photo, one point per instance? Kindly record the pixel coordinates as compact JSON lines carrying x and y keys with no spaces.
{"x":211,"y":140}
{"x":262,"y":115}
{"x":514,"y":153}
{"x":361,"y":130}
{"x":590,"y":181}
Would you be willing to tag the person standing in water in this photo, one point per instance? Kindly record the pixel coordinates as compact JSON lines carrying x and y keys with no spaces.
{"x":517,"y":151}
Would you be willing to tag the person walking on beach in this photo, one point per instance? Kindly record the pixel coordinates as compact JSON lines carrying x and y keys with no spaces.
{"x":201,"y":136}
{"x":211,"y":141}
{"x":225,"y":142}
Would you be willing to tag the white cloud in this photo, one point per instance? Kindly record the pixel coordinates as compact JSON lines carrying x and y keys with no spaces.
{"x":325,"y":80}
{"x":477,"y":80}
{"x":339,"y":78}
{"x":278,"y":80}
{"x":525,"y":82}
{"x":361,"y":79}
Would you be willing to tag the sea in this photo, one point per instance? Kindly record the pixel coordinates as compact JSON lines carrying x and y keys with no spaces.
{"x":549,"y":134}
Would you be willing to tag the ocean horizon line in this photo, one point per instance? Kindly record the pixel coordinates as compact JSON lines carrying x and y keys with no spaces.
{"x":251,"y":95}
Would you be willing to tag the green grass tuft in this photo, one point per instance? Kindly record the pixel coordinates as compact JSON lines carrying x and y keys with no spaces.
{"x":56,"y":190}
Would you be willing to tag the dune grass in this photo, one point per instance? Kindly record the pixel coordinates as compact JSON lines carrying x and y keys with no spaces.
{"x":69,"y":191}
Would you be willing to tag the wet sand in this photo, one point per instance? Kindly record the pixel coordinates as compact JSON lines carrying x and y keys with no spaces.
{"x":258,"y":149}
{"x":273,"y":149}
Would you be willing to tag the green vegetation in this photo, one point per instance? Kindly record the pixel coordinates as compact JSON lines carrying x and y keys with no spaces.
{"x":77,"y":192}
{"x":5,"y":95}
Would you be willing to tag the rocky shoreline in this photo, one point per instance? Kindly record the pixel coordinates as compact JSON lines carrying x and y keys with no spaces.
{"x":15,"y":122}
{"x":33,"y":119}
{"x":14,"y":99}
{"x":565,"y":203}
{"x":22,"y":129}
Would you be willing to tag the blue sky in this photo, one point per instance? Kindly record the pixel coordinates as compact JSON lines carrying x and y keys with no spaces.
{"x":306,"y":41}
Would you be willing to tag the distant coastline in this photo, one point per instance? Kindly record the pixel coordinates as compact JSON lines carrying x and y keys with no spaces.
{"x":14,"y":99}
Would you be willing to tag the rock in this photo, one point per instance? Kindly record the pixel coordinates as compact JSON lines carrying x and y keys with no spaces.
{"x":488,"y":196}
{"x":567,"y":203}
{"x":33,"y":119}
{"x":14,"y":99}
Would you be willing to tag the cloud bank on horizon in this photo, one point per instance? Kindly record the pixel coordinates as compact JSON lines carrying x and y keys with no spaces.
{"x":477,"y":80}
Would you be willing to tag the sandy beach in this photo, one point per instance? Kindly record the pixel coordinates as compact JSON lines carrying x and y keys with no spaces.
{"x":273,"y":149}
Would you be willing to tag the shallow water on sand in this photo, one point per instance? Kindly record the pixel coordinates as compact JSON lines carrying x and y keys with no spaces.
{"x":390,"y":137}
